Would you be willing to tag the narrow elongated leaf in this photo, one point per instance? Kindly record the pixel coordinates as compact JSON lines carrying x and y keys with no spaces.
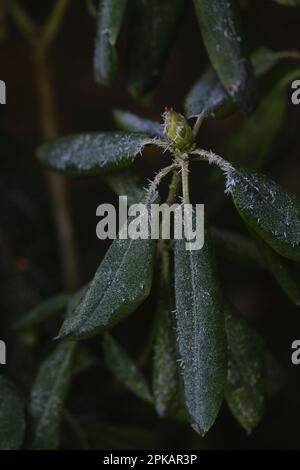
{"x":252,"y":142}
{"x":127,"y":121}
{"x":236,"y":247}
{"x":110,"y":17}
{"x":121,"y":283}
{"x":12,"y":421}
{"x":124,"y":369}
{"x":208,"y":97}
{"x":200,"y":332}
{"x":271,"y":211}
{"x":245,"y":376}
{"x":126,"y":183}
{"x":43,"y":311}
{"x":152,"y":29}
{"x":167,"y":386}
{"x":225,"y":44}
{"x":280,"y":269}
{"x":48,"y":396}
{"x":92,"y":153}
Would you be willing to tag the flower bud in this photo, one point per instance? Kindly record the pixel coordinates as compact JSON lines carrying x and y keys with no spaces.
{"x":178,"y":131}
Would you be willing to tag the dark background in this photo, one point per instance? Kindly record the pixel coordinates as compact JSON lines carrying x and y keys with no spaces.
{"x":29,"y":260}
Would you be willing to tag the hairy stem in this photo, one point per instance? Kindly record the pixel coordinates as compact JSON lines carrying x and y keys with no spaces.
{"x":210,"y":157}
{"x":185,"y":181}
{"x":197,"y":125}
{"x":159,"y":177}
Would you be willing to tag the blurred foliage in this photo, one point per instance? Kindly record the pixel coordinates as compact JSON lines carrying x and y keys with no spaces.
{"x":73,"y":392}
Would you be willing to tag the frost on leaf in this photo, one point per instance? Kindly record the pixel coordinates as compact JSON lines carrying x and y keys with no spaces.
{"x":270,"y":210}
{"x":245,"y":377}
{"x":48,"y":396}
{"x":201,"y":334}
{"x":92,"y":153}
{"x":12,"y":421}
{"x":121,"y":283}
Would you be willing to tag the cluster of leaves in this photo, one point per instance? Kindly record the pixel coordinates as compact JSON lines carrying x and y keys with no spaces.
{"x":203,"y":351}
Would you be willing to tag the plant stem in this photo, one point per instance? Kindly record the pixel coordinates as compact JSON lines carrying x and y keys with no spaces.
{"x":185,"y":181}
{"x":159,"y":177}
{"x":56,"y":182}
{"x":173,"y":188}
{"x":210,"y":157}
{"x":40,"y":39}
{"x":197,"y":125}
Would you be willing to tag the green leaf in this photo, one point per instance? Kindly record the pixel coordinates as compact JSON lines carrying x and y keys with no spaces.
{"x":280,"y":269}
{"x":110,"y":16}
{"x":92,"y":153}
{"x":124,"y":369}
{"x":208,"y":97}
{"x":245,"y":377}
{"x":225,"y":44}
{"x":152,"y":29}
{"x":48,"y":396}
{"x":43,"y":311}
{"x":251,"y":143}
{"x":12,"y":421}
{"x":236,"y":248}
{"x":121,"y":283}
{"x":200,"y":332}
{"x":127,"y":121}
{"x":167,"y":386}
{"x":126,"y":183}
{"x":271,"y":211}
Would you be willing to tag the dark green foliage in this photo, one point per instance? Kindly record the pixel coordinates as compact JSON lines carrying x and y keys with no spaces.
{"x":124,"y":369}
{"x":167,"y":386}
{"x":43,"y":311}
{"x":121,"y":283}
{"x":152,"y":30}
{"x":12,"y":422}
{"x":224,"y":41}
{"x":200,"y":332}
{"x":47,"y":399}
{"x":92,"y":153}
{"x":110,"y":17}
{"x":246,"y":372}
{"x":271,"y":211}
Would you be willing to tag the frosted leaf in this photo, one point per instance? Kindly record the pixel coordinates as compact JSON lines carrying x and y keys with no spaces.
{"x":280,"y":269}
{"x":92,"y":153}
{"x":116,"y":289}
{"x":167,"y":387}
{"x":220,"y":24}
{"x":152,"y":30}
{"x":48,"y":396}
{"x":207,"y":96}
{"x":124,"y":369}
{"x":110,"y":17}
{"x":245,"y":377}
{"x":271,"y":211}
{"x":200,"y":332}
{"x":127,"y":121}
{"x":12,"y":421}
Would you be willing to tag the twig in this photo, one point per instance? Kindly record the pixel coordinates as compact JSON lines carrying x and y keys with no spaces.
{"x":40,"y":40}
